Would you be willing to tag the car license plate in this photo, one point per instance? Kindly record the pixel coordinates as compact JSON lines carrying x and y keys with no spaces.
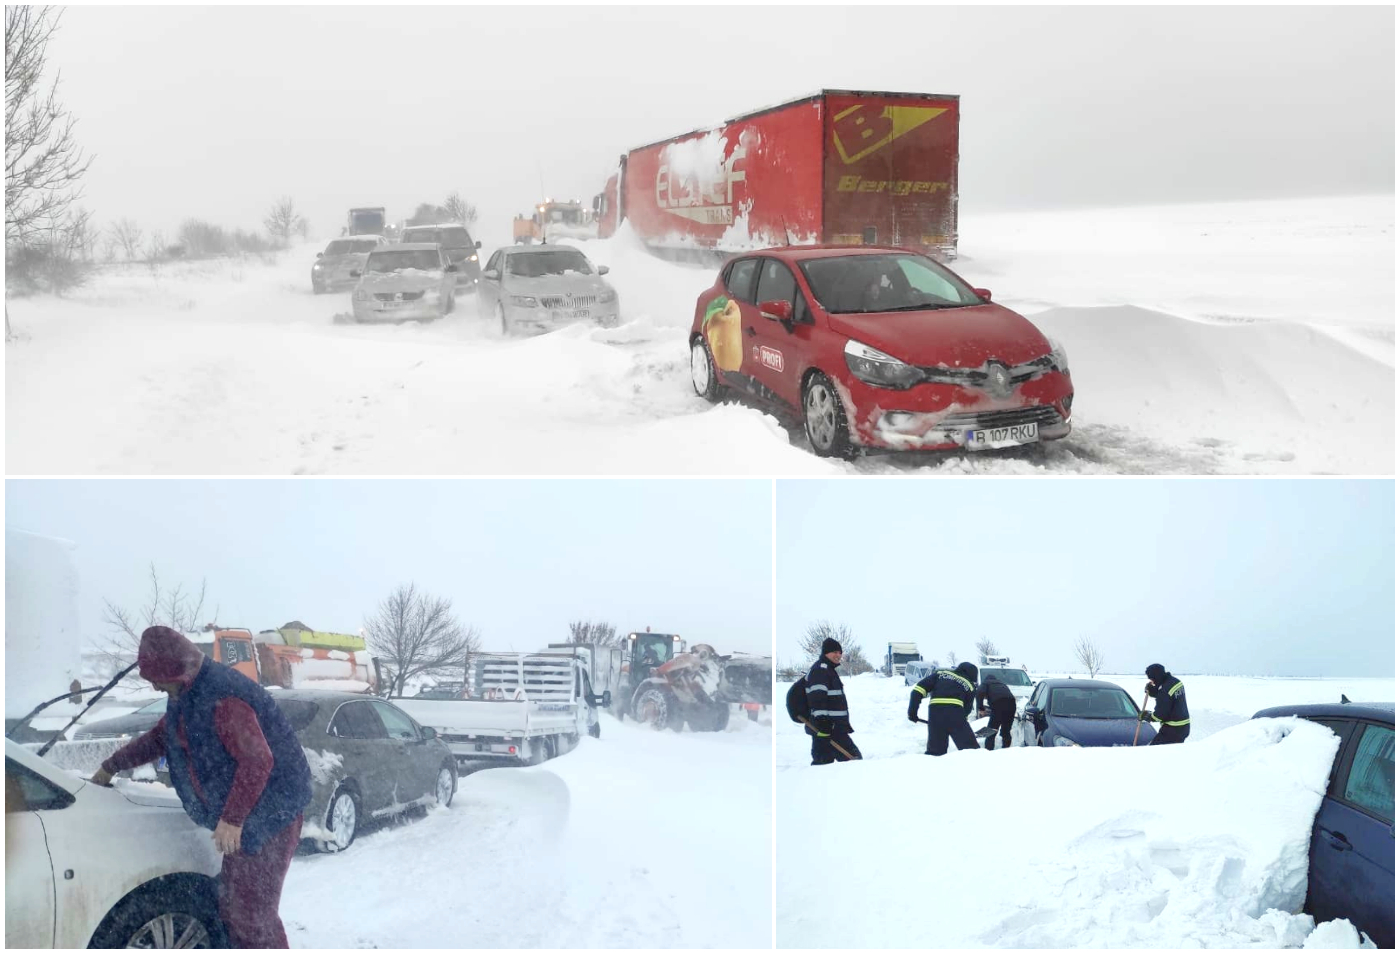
{"x":579,"y":313}
{"x":988,"y":438}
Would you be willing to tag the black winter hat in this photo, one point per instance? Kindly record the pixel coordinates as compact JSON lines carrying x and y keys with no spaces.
{"x":1156,"y":671}
{"x":967,"y":670}
{"x":830,"y":645}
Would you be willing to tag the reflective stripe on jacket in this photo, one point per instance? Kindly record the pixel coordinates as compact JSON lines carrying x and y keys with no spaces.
{"x":942,"y":687}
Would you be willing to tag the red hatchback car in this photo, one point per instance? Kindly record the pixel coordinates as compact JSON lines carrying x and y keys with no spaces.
{"x":878,"y":347}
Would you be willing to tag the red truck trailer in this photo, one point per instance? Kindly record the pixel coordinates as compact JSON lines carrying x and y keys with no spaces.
{"x":838,"y":167}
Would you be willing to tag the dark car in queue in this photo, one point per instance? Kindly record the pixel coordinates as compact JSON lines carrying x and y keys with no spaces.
{"x":369,"y":761}
{"x":1351,"y":859}
{"x":127,"y":726}
{"x":333,"y":267}
{"x":877,"y":347}
{"x":1090,"y":713}
{"x":457,"y":244}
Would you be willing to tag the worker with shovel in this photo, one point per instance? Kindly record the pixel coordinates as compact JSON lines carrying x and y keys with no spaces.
{"x":949,"y":693}
{"x":239,"y":770}
{"x":828,"y":720}
{"x":1170,"y":712}
{"x":994,"y":694}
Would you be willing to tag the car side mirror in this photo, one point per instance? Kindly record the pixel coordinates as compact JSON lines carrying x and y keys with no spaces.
{"x":319,"y":254}
{"x":605,"y":700}
{"x":453,"y":268}
{"x":429,"y":733}
{"x":982,"y":293}
{"x":355,"y":273}
{"x":478,"y":244}
{"x":602,"y":269}
{"x":491,"y":274}
{"x":776,"y":311}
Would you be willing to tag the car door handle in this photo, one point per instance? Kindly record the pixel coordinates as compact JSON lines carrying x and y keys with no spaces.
{"x":1338,"y":840}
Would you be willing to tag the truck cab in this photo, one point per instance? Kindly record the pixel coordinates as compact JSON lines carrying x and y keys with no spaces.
{"x":898,"y":655}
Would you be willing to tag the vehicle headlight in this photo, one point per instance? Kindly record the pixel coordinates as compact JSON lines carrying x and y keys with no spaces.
{"x":607,"y":295}
{"x":1061,"y":740}
{"x":317,"y":267}
{"x":882,"y":370}
{"x":1058,"y":355}
{"x":524,"y":301}
{"x":472,"y":259}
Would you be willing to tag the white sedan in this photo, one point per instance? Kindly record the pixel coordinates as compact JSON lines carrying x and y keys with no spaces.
{"x":87,"y":866}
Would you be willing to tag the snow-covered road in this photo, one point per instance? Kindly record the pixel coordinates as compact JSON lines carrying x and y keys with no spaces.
{"x":637,"y":840}
{"x":1235,"y":338}
{"x":1198,"y":845}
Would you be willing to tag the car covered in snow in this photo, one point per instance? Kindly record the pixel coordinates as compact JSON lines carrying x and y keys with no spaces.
{"x":369,"y":760}
{"x":88,"y":866}
{"x":457,"y":244}
{"x":877,"y":347}
{"x":405,"y":282}
{"x":1017,"y":680}
{"x":333,"y":266}
{"x":537,"y":288}
{"x":1351,"y":859}
{"x":1080,"y":712}
{"x":127,"y":726}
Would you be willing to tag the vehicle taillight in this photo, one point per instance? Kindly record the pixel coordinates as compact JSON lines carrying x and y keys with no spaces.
{"x":512,"y":750}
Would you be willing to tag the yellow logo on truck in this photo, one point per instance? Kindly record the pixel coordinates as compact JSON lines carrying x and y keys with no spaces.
{"x":860,"y":130}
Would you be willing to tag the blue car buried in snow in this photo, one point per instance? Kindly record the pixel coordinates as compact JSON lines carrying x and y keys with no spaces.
{"x":1080,"y":712}
{"x":1351,"y":860}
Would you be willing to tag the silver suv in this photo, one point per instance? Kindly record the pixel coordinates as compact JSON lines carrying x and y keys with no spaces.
{"x":342,"y":256}
{"x":457,"y":242}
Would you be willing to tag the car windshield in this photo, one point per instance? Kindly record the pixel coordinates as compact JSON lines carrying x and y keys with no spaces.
{"x":1011,"y":677}
{"x":870,"y":284}
{"x":399,"y":260}
{"x":568,"y":215}
{"x":905,"y":657}
{"x":1092,"y":703}
{"x":556,"y":261}
{"x":349,"y":246}
{"x":152,"y":707}
{"x":447,"y":238}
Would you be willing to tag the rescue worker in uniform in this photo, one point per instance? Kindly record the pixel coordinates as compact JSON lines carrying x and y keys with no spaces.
{"x":994,"y":694}
{"x":1170,"y":713}
{"x":830,"y":725}
{"x":949,"y":693}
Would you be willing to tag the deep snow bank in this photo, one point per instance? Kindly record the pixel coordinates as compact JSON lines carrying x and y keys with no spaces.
{"x":1205,"y":845}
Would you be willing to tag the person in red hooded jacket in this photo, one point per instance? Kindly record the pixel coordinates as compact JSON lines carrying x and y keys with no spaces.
{"x":239,"y":770}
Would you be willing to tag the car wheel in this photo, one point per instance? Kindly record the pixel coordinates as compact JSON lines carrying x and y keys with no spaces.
{"x":318,"y":289}
{"x":502,"y":320}
{"x":703,"y":376}
{"x":342,"y":820}
{"x":824,"y":419}
{"x":446,"y":785}
{"x":451,"y":304}
{"x":595,"y":731}
{"x":165,"y":915}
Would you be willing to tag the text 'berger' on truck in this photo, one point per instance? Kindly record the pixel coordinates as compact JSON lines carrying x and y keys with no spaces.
{"x":838,"y":167}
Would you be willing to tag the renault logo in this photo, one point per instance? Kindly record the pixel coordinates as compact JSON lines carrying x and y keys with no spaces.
{"x":998,"y":380}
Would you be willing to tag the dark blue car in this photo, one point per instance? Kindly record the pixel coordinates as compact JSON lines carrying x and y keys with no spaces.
{"x":1080,"y":712}
{"x":1351,"y":861}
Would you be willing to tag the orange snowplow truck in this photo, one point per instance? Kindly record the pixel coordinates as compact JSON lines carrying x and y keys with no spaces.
{"x":293,"y":657}
{"x":552,"y":219}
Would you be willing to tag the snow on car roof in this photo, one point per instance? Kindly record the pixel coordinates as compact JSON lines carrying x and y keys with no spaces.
{"x":412,"y":247}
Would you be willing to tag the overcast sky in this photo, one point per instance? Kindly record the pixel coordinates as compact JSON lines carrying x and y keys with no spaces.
{"x":520,"y":559}
{"x":1242,"y":577}
{"x":216,"y":111}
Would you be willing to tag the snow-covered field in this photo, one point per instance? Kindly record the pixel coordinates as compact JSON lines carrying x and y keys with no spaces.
{"x":1198,"y":845}
{"x":1252,"y":337}
{"x":639,"y":839}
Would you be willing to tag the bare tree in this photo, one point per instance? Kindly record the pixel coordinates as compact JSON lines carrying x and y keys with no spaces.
{"x":43,"y":162}
{"x":415,"y":634}
{"x":459,"y":209}
{"x":986,"y":647}
{"x":282,"y":220}
{"x":178,"y":608}
{"x":1089,"y":655}
{"x":303,"y":228}
{"x":429,"y":214}
{"x":820,"y":630}
{"x":604,"y":634}
{"x":854,"y":661}
{"x":952,"y":658}
{"x":128,"y":235}
{"x":790,"y":671}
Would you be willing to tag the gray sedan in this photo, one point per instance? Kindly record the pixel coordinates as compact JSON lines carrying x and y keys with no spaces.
{"x":538,"y":288}
{"x":405,"y":282}
{"x":342,"y":256}
{"x":368,"y":760}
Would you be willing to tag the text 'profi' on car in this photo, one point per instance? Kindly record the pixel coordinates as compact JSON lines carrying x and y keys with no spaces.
{"x":538,"y":288}
{"x":457,"y":245}
{"x":405,"y":283}
{"x":335,"y":268}
{"x":878,"y":347}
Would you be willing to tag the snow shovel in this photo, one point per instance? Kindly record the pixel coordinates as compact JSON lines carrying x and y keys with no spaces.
{"x":1141,"y":710}
{"x":849,"y":756}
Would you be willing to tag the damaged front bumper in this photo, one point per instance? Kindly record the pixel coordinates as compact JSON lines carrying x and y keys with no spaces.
{"x":946,"y":417}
